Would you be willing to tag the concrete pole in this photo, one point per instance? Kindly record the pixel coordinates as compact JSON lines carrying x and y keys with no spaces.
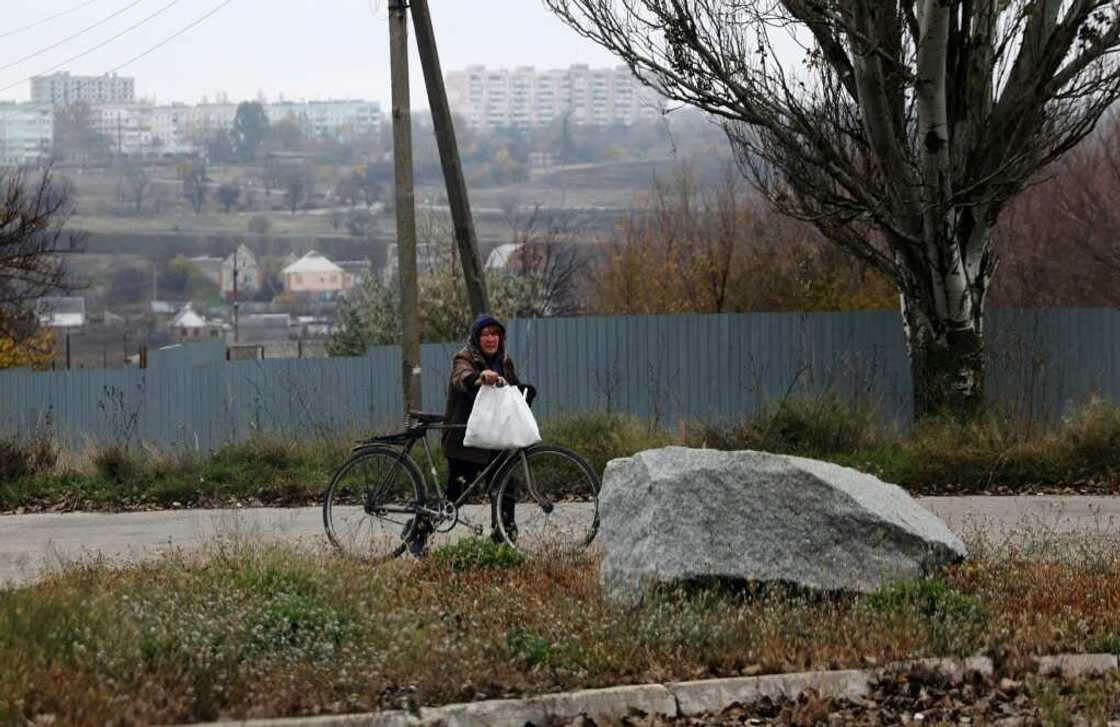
{"x":406,"y":207}
{"x":457,"y":196}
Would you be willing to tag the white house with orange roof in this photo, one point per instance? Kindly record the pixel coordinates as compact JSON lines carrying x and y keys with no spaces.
{"x":314,"y":276}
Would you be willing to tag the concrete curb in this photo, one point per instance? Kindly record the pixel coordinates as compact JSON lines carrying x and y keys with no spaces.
{"x":676,"y":699}
{"x":1071,"y":666}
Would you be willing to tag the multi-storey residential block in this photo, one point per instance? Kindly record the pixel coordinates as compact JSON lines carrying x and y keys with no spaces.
{"x":128,"y":128}
{"x":141,"y":129}
{"x":62,"y":88}
{"x":26,"y":134}
{"x":526,"y":98}
{"x":342,"y":120}
{"x":199,"y":122}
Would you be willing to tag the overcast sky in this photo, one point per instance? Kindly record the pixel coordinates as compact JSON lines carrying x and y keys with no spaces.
{"x":301,"y":49}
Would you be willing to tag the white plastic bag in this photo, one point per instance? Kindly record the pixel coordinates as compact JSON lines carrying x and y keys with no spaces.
{"x":501,"y":419}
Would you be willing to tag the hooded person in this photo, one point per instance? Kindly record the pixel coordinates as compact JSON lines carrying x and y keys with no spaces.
{"x":482,"y":362}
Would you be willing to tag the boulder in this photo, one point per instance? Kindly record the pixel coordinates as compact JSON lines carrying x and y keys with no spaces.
{"x":677,"y":515}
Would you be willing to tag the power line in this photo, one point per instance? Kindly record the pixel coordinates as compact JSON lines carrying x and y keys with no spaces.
{"x":97,"y":47}
{"x":69,"y":38}
{"x":56,"y":16}
{"x":182,"y":31}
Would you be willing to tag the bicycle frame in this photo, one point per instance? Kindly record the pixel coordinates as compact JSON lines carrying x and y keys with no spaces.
{"x":492,"y":468}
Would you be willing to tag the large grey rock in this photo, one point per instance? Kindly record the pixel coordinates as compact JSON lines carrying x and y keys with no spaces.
{"x":680,"y":515}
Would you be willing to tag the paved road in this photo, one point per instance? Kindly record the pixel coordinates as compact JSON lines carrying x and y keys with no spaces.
{"x":33,"y":544}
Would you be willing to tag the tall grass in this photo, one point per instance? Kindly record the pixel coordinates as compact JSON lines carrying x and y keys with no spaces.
{"x":253,"y":630}
{"x":936,"y":457}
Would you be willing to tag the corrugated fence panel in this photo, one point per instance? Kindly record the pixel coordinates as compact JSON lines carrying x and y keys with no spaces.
{"x":720,"y":367}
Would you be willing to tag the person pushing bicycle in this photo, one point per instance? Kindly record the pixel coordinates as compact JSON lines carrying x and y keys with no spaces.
{"x":379,"y":504}
{"x":482,"y":362}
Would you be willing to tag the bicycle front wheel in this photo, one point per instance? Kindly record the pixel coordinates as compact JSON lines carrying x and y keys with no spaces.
{"x":548,"y":501}
{"x":370,"y":506}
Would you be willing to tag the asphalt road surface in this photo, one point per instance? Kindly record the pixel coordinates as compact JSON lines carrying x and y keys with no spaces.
{"x":31,"y":545}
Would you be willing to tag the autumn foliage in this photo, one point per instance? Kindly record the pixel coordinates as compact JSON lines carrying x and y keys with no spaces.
{"x":35,"y":352}
{"x":1059,"y":243}
{"x":718,"y":248}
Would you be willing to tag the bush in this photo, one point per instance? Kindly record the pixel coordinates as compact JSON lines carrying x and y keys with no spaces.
{"x":26,"y":458}
{"x":805,"y":426}
{"x":1093,"y":439}
{"x":477,"y":554}
{"x":600,"y":437}
{"x":115,"y":463}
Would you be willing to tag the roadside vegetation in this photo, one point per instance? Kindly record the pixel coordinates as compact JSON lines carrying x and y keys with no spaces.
{"x":251,"y":630}
{"x":1079,"y":454}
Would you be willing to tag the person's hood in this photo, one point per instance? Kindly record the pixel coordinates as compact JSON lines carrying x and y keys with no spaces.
{"x":482,"y":321}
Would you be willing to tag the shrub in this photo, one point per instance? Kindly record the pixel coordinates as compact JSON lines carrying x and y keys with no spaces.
{"x":1093,"y":438}
{"x":27,"y":457}
{"x":600,"y":437}
{"x":115,"y":463}
{"x":477,"y":554}
{"x":801,"y":425}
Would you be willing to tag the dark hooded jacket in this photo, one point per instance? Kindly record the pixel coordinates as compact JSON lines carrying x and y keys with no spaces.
{"x":466,"y":367}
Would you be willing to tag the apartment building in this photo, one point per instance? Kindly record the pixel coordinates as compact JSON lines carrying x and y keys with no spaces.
{"x":26,"y":134}
{"x":62,"y":88}
{"x":196,"y":123}
{"x":524,"y":97}
{"x":342,"y":120}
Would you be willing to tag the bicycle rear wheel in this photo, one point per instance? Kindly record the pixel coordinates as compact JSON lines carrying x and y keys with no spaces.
{"x":555,"y":496}
{"x":370,"y":506}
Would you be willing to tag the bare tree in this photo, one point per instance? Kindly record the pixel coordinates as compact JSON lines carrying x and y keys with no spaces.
{"x":136,"y":184}
{"x":544,"y":273}
{"x":228,"y":194}
{"x":33,"y":237}
{"x":1058,"y":239}
{"x":75,"y":137}
{"x":196,"y":184}
{"x":901,"y":130}
{"x":298,"y":182}
{"x":1088,"y":197}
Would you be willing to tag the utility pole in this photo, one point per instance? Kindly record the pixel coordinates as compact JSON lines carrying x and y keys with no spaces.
{"x":406,"y":207}
{"x":457,"y":197}
{"x":236,"y":303}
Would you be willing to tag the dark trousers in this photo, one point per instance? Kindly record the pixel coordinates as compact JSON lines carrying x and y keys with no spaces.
{"x":461,"y":472}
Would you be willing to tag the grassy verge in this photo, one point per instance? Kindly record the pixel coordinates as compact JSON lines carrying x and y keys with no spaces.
{"x":259,"y":471}
{"x":252,"y":630}
{"x":1081,"y":454}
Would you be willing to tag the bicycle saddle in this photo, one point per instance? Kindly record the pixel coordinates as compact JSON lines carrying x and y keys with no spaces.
{"x":424,"y":418}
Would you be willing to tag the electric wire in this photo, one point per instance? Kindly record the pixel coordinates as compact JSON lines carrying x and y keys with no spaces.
{"x":56,"y":16}
{"x":69,"y":38}
{"x":97,"y":47}
{"x":120,"y":66}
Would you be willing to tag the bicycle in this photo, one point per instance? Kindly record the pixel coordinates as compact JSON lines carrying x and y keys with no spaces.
{"x":378,"y":498}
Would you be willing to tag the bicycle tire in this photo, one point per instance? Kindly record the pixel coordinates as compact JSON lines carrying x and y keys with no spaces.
{"x":559,"y":513}
{"x":370,"y":504}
